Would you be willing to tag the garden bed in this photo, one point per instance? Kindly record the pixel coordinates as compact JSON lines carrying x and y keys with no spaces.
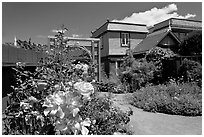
{"x":177,"y":99}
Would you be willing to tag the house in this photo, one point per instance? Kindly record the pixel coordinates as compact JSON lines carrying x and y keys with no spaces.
{"x":164,"y":38}
{"x":167,"y":34}
{"x":116,"y":38}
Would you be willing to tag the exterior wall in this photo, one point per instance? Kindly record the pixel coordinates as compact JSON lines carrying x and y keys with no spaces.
{"x":168,"y":40}
{"x":112,"y":46}
{"x":115,"y":47}
{"x":112,"y":52}
{"x":105,"y":42}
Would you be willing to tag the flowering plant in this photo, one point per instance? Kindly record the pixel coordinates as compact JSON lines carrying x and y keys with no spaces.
{"x":63,"y":106}
{"x":50,"y":99}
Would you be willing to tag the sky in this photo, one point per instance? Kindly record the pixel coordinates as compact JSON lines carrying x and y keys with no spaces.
{"x":36,"y":20}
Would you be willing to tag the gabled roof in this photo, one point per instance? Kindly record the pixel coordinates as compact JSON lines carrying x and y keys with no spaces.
{"x":152,"y":40}
{"x":119,"y":26}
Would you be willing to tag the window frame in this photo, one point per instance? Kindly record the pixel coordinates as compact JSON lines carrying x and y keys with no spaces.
{"x":127,"y":42}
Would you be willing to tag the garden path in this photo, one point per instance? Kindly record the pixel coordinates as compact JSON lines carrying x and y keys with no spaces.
{"x":147,"y":123}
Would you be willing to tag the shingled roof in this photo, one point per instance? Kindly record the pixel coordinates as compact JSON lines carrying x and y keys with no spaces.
{"x":152,"y":40}
{"x":119,"y":26}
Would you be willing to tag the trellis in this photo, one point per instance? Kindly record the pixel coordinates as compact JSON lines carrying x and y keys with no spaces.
{"x":95,"y":56}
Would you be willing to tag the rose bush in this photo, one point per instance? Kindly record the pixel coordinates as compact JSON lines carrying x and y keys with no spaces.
{"x":49,"y":100}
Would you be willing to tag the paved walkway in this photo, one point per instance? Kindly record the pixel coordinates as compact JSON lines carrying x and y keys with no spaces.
{"x":147,"y":123}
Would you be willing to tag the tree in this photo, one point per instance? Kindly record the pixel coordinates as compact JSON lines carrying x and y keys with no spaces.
{"x":192,"y":45}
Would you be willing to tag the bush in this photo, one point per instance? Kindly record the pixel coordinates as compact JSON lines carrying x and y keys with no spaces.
{"x":156,"y":55}
{"x":140,"y":74}
{"x":112,"y":84}
{"x":191,"y":71}
{"x":107,"y":119}
{"x":179,"y":99}
{"x":111,"y":87}
{"x":105,"y":87}
{"x":192,"y":45}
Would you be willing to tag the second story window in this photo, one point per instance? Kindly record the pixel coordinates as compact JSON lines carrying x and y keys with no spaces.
{"x":125,"y":39}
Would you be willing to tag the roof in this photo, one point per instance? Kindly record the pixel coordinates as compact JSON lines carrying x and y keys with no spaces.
{"x":119,"y":26}
{"x":178,"y":23}
{"x":152,"y":40}
{"x":11,"y":55}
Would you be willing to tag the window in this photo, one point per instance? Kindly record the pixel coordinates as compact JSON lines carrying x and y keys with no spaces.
{"x":124,"y":39}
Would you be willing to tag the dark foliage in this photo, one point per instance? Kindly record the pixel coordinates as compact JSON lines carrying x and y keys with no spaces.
{"x":192,"y":45}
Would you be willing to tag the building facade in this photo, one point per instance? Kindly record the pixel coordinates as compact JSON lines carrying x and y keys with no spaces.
{"x":116,"y":38}
{"x":167,"y":34}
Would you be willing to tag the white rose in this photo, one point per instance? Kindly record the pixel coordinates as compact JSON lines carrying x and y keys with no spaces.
{"x":85,"y":88}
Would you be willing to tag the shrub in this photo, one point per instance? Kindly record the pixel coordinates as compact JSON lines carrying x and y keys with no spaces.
{"x":112,"y":84}
{"x":191,"y":71}
{"x":192,"y":45}
{"x":111,"y":87}
{"x":140,"y":74}
{"x":105,"y":87}
{"x":143,"y":72}
{"x":156,"y":55}
{"x":107,"y":119}
{"x":180,"y":99}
